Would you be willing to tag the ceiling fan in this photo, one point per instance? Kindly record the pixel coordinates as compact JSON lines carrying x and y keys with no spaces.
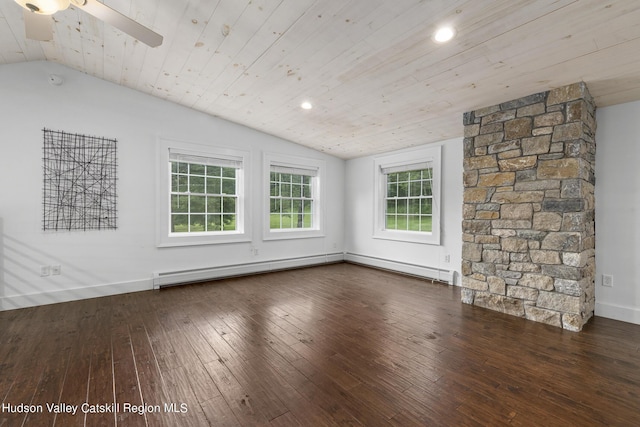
{"x":38,"y":25}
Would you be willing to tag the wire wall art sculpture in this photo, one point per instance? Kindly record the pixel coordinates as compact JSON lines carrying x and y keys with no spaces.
{"x":80,"y":176}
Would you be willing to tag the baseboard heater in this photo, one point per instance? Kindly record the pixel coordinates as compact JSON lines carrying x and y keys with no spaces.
{"x":172,"y":278}
{"x":432,"y":273}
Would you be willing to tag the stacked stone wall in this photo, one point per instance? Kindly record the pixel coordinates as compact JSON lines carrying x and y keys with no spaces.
{"x":528,"y":215}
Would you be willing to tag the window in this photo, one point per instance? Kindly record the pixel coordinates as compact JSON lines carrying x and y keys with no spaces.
{"x":204,"y":196}
{"x":293,"y":199}
{"x":407,"y":196}
{"x":200,"y":194}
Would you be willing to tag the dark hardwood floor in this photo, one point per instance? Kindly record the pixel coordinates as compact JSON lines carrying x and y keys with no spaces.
{"x":332,"y":345}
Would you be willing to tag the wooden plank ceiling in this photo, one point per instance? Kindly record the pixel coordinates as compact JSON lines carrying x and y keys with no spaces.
{"x":377,"y":80}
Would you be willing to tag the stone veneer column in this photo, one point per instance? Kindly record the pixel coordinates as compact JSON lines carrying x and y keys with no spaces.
{"x":528,"y":215}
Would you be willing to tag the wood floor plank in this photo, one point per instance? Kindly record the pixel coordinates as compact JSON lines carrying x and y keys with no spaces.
{"x":187,"y":410}
{"x":78,"y":336}
{"x":259,"y":394}
{"x":222,"y":350}
{"x":166,"y":354}
{"x":285,"y":420}
{"x":125,"y":378}
{"x":311,"y":392}
{"x":332,"y":345}
{"x":305,"y":412}
{"x":235,"y":395}
{"x":329,"y":368}
{"x":323,"y":384}
{"x":152,"y":388}
{"x":100,"y":398}
{"x":200,"y":382}
{"x":49,"y":385}
{"x":219,"y":413}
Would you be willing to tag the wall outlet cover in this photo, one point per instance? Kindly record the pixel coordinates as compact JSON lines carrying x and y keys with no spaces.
{"x":45,"y":270}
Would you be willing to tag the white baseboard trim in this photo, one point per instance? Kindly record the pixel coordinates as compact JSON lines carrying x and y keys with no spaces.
{"x":618,"y":312}
{"x":169,"y":278}
{"x":65,"y":295}
{"x":402,"y":267}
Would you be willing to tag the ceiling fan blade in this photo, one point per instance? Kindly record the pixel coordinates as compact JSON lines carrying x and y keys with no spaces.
{"x":38,"y":27}
{"x":123,"y":23}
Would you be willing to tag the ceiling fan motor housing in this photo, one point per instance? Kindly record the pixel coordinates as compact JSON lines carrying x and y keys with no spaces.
{"x":45,"y":7}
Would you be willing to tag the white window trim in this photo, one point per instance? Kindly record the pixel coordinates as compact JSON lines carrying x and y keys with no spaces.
{"x":431,"y":155}
{"x":163,"y":199}
{"x":270,"y":159}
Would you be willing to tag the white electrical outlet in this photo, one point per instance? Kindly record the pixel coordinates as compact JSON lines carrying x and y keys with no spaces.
{"x":447,"y":258}
{"x":45,"y":270}
{"x":607,"y":280}
{"x":56,"y":270}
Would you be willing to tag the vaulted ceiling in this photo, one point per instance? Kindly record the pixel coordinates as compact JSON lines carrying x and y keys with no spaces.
{"x":371,"y":69}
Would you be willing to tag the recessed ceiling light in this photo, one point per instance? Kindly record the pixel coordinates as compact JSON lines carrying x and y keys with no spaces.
{"x":444,"y":34}
{"x":306,"y":105}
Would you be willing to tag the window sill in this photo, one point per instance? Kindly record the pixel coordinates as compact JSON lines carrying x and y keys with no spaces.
{"x":408,"y":237}
{"x":292,"y":234}
{"x":202,"y":239}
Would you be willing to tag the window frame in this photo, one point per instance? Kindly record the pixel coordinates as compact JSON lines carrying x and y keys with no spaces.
{"x":317,"y":189}
{"x":166,"y":238}
{"x":429,"y":155}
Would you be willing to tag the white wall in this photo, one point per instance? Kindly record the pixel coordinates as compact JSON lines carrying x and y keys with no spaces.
{"x":359,"y":215}
{"x":106,"y":262}
{"x":617,"y":195}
